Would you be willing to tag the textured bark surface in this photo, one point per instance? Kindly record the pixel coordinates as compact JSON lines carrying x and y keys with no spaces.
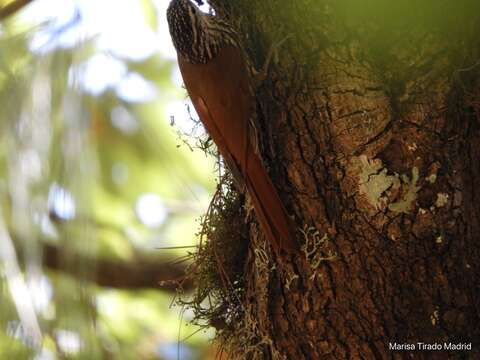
{"x":370,"y":125}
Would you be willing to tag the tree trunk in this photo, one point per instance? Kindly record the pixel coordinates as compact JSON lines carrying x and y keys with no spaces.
{"x":369,"y":123}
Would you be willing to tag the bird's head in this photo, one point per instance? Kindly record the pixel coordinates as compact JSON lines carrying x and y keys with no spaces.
{"x":184,"y":23}
{"x":197,"y":36}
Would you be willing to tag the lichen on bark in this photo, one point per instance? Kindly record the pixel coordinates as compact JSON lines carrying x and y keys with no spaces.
{"x":369,"y":122}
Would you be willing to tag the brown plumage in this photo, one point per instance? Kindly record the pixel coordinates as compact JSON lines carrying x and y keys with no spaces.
{"x":219,"y":87}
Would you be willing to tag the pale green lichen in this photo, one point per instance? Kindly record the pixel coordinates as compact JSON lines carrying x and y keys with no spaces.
{"x":434,"y":318}
{"x":290,"y":278}
{"x":412,"y":146}
{"x":410,"y":196}
{"x":316,"y":248}
{"x":374,"y":181}
{"x":377,"y":186}
{"x":432,"y":178}
{"x":442,"y":200}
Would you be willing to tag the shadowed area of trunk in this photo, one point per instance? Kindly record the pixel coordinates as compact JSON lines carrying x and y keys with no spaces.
{"x":370,"y":124}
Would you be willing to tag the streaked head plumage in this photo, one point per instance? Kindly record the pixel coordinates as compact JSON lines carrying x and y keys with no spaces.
{"x":197,"y":36}
{"x":182,"y":18}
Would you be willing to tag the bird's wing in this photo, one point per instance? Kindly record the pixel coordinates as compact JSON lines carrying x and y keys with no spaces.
{"x":220,"y":141}
{"x":223,"y":85}
{"x":222,"y":97}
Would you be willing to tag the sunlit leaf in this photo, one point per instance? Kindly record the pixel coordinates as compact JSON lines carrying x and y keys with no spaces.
{"x":150,"y":14}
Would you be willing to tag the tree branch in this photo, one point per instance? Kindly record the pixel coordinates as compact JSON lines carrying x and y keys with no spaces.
{"x":144,"y":272}
{"x":12,"y":8}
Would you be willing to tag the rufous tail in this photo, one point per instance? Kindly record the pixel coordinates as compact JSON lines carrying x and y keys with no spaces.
{"x":268,"y":206}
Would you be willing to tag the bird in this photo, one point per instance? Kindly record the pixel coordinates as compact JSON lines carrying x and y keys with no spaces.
{"x":217,"y":78}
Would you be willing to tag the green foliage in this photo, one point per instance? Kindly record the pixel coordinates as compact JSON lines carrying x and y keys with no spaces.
{"x":74,"y":165}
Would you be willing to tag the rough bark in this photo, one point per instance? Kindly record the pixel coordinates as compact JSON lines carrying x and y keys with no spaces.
{"x":369,"y":122}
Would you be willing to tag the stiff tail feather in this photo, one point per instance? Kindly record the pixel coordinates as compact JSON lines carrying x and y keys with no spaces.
{"x":268,"y":206}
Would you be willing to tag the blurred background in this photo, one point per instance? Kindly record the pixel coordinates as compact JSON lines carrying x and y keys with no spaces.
{"x":102,"y":184}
